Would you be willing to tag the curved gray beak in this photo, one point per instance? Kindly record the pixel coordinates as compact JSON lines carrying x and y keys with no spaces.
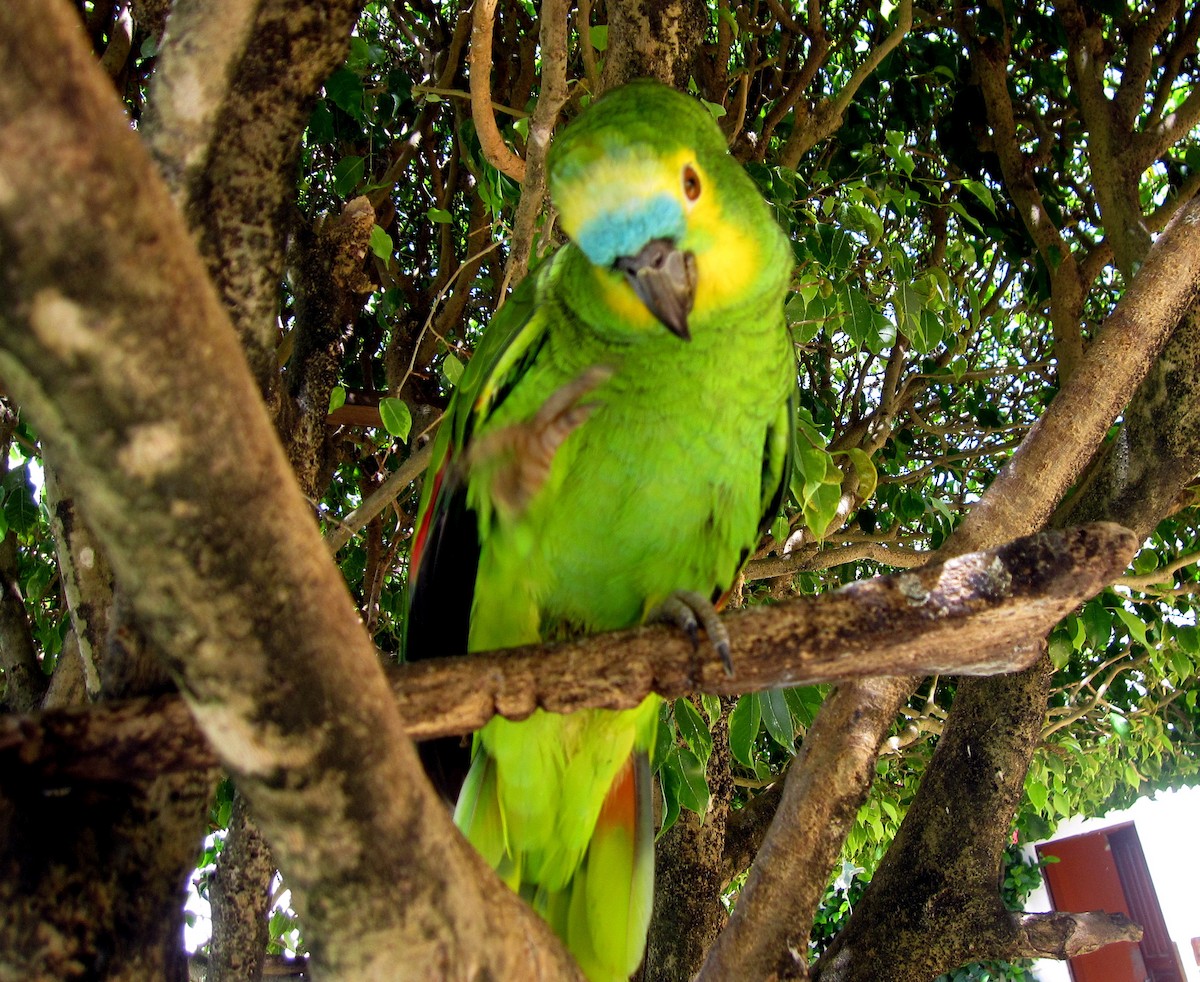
{"x":664,"y":278}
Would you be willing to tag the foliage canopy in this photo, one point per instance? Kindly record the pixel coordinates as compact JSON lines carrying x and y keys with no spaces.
{"x":970,"y":191}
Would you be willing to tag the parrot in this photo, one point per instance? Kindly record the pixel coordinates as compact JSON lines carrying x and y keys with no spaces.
{"x":614,"y":450}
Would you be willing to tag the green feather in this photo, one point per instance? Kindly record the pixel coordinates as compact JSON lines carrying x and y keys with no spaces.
{"x":658,"y":477}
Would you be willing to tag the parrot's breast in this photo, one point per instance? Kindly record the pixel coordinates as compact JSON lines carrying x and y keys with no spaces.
{"x":658,"y":491}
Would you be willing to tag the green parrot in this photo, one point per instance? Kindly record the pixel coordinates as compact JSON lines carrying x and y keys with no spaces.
{"x":615,"y":448}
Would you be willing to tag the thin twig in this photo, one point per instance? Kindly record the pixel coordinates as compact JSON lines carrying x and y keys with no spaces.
{"x":339,"y":534}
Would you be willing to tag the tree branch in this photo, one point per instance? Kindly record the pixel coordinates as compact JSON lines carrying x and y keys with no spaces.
{"x":1064,"y":935}
{"x":344,"y":529}
{"x":825,"y":787}
{"x":100,"y":292}
{"x":1063,"y":441}
{"x":490,"y":141}
{"x":990,"y":58}
{"x":233,"y":91}
{"x":553,"y":93}
{"x":921,"y":621}
{"x":828,"y":115}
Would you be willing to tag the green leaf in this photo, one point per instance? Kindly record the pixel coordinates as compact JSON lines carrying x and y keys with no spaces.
{"x":1145,"y":562}
{"x":1059,"y":649}
{"x":982,"y":192}
{"x":382,"y":245}
{"x":778,"y":718}
{"x":712,"y":708}
{"x":345,"y":90}
{"x":1075,"y":631}
{"x":1120,"y":725}
{"x":452,"y":368}
{"x":669,"y":780}
{"x":664,"y":741}
{"x":859,"y":322}
{"x":803,"y":702}
{"x":693,"y":729}
{"x":693,"y":785}
{"x":1037,"y":793}
{"x":1097,"y":624}
{"x":337,"y":398}
{"x":439,"y":215}
{"x":821,"y":509}
{"x":868,"y":476}
{"x":396,"y":416}
{"x":598,"y":34}
{"x":1134,"y":625}
{"x":20,"y":510}
{"x":320,"y":123}
{"x":347,"y":175}
{"x":743,"y":729}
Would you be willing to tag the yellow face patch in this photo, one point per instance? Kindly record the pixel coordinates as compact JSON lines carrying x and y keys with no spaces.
{"x":623,"y":302}
{"x":727,"y":257}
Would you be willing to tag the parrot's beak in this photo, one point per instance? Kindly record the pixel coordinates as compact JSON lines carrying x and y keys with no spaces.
{"x":664,"y":278}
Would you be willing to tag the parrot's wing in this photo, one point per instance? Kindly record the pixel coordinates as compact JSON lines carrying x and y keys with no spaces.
{"x":444,"y":556}
{"x":777,"y":461}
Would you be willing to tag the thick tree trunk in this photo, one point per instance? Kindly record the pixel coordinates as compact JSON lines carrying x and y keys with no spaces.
{"x":115,"y":344}
{"x":92,"y":876}
{"x":240,"y":893}
{"x":653,"y":39}
{"x":688,"y":875}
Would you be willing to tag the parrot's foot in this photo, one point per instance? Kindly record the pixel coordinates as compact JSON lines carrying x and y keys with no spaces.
{"x":520,"y":455}
{"x":690,"y":611}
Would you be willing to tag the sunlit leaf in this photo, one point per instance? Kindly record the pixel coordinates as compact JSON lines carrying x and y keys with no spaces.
{"x":744,"y":722}
{"x":693,"y":729}
{"x":396,"y":416}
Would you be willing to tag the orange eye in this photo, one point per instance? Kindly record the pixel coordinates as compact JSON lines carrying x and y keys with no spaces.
{"x":691,"y":183}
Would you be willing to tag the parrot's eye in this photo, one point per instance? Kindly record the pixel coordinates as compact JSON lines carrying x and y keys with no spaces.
{"x":691,"y":183}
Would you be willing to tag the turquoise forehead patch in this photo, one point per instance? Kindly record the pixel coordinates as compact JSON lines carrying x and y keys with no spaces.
{"x":625,"y":230}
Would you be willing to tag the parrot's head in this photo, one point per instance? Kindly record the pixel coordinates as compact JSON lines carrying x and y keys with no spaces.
{"x":645,"y":187}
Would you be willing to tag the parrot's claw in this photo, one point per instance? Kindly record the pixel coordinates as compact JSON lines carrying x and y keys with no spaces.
{"x":519,"y":456}
{"x":689,"y":611}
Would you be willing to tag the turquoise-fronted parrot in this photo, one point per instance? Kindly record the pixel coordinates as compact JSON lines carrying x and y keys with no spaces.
{"x":614,"y":450}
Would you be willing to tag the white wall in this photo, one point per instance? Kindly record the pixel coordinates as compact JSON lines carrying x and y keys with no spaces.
{"x":1169,"y":829}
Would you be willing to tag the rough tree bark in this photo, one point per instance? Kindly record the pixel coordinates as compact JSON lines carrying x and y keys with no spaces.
{"x":240,"y":895}
{"x":235,"y":88}
{"x":653,"y":39}
{"x":115,"y":344}
{"x":976,"y":604}
{"x":688,"y":913}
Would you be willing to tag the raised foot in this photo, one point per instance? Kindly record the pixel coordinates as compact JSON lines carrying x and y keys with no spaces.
{"x":690,"y":611}
{"x":519,"y":456}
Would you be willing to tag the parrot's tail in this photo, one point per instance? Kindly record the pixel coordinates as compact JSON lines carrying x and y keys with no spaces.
{"x":603,"y":914}
{"x":602,"y":911}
